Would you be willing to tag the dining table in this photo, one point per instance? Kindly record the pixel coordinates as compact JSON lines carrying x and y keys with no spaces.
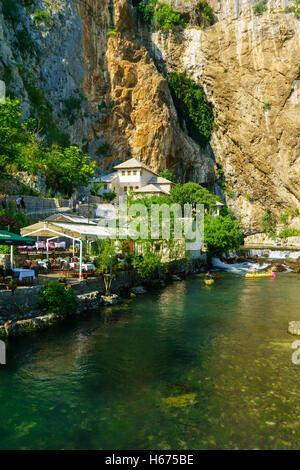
{"x":23,"y":273}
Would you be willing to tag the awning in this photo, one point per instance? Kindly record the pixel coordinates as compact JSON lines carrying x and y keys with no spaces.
{"x":9,"y":238}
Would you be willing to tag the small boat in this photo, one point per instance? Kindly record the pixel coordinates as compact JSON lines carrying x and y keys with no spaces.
{"x":209,"y":282}
{"x":258,"y":275}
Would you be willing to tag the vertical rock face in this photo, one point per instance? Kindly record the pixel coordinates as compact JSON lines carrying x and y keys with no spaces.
{"x":105,"y":92}
{"x":104,"y":74}
{"x":247,"y":65}
{"x":138,"y":117}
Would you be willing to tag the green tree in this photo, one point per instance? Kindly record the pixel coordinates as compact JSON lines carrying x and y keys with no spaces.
{"x":16,"y":137}
{"x":193,"y":193}
{"x":168,"y":175}
{"x":148,"y":265}
{"x":221,"y":234}
{"x":66,"y":168}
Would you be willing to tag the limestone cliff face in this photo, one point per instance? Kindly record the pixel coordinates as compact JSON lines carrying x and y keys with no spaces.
{"x":104,"y":73}
{"x":242,"y":61}
{"x":138,"y":117}
{"x":105,"y":92}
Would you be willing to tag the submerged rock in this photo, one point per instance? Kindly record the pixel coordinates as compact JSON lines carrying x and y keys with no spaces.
{"x":175,"y":278}
{"x":278,"y":268}
{"x":138,"y":290}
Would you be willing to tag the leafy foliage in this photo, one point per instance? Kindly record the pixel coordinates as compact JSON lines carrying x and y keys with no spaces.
{"x":66,"y":168}
{"x":165,"y":17}
{"x":204,"y":13}
{"x":42,"y":16}
{"x":192,"y":107}
{"x":268,"y":223}
{"x":21,"y":150}
{"x":148,"y":265}
{"x":266,"y":106}
{"x":56,"y":298}
{"x":193,"y":193}
{"x":222,"y":234}
{"x":96,"y":188}
{"x":168,"y":175}
{"x":289,"y":232}
{"x":146,"y":10}
{"x":108,"y":196}
{"x":259,"y":8}
{"x":14,"y":220}
{"x":107,"y":259}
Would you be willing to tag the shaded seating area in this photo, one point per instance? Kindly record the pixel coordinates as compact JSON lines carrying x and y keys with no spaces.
{"x":20,"y":275}
{"x":52,"y":229}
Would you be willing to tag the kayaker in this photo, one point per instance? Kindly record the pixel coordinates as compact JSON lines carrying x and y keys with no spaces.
{"x":208,"y":276}
{"x":254,"y":271}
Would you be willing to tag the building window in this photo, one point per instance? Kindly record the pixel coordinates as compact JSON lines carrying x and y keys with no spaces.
{"x":128,"y":172}
{"x":134,"y":172}
{"x":125,"y":188}
{"x":131,"y":188}
{"x":136,"y":187}
{"x":123,"y":173}
{"x":157,"y":247}
{"x":105,"y":186}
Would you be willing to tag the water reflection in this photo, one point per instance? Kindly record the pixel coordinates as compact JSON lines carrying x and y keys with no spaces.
{"x":187,"y":367}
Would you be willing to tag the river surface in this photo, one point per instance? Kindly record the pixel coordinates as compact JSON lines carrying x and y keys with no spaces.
{"x":189,"y":367}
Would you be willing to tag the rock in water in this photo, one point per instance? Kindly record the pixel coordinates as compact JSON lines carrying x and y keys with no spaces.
{"x":138,"y":290}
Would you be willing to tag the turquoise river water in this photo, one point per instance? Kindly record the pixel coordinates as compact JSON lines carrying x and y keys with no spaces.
{"x":189,"y":367}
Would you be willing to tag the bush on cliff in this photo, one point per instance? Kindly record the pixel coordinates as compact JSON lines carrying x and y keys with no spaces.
{"x":57,"y":298}
{"x":165,"y":17}
{"x":192,"y":107}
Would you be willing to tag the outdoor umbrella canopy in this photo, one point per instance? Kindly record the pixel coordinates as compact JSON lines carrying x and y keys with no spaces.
{"x":9,"y":238}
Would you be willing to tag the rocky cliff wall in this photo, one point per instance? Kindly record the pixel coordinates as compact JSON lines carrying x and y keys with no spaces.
{"x":247,"y":65}
{"x":104,"y":75}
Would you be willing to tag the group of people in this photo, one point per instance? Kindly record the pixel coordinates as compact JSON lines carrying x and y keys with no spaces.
{"x":20,"y":203}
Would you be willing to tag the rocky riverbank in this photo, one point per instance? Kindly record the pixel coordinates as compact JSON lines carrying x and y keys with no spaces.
{"x":20,"y":313}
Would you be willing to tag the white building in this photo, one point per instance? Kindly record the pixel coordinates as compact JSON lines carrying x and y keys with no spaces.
{"x":135,"y":176}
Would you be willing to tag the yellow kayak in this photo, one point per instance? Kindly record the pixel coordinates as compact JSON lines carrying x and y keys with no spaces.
{"x":258,"y":275}
{"x":209,"y":282}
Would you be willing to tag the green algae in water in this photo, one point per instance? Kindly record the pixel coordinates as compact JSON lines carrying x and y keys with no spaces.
{"x":180,"y":401}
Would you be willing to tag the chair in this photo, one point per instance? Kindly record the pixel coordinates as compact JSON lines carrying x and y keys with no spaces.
{"x":66,"y":269}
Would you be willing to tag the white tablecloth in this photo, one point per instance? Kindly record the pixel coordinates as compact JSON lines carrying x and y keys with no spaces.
{"x":22,"y":273}
{"x":60,"y":245}
{"x":85,"y":266}
{"x":40,"y":245}
{"x":43,"y":264}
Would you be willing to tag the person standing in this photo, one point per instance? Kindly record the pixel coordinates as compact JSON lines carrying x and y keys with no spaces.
{"x":18,"y":201}
{"x":4,"y":203}
{"x":22,"y":202}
